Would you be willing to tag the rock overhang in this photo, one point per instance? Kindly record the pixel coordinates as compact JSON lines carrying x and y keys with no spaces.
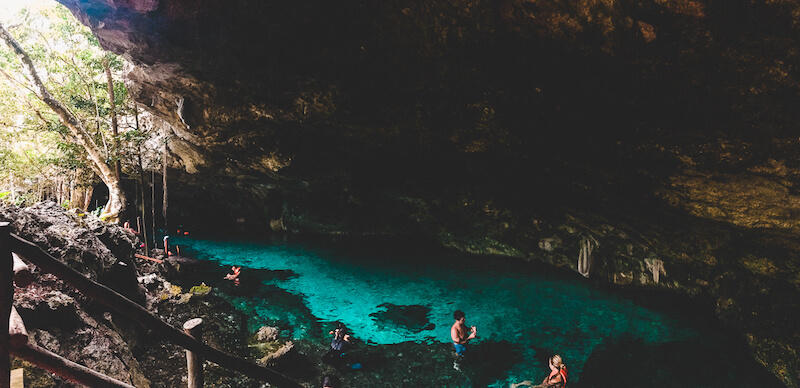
{"x":492,"y":110}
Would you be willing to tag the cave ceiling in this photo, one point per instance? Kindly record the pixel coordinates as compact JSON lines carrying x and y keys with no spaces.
{"x":690,"y":102}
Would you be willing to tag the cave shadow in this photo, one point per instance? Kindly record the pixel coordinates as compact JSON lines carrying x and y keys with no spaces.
{"x":693,"y":362}
{"x":488,"y":361}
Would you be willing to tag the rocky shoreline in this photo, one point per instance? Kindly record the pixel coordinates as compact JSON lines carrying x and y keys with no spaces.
{"x":65,"y":322}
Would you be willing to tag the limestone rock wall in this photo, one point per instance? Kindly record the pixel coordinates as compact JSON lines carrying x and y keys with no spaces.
{"x":56,"y":316}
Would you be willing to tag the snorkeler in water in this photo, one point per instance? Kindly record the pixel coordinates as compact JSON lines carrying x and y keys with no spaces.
{"x":234,"y":275}
{"x":337,"y":354}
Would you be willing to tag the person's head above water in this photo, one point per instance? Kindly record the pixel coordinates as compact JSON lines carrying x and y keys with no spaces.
{"x":458,"y":315}
{"x":556,"y":362}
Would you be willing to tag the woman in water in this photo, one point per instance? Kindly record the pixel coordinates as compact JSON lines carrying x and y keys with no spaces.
{"x":557,"y":377}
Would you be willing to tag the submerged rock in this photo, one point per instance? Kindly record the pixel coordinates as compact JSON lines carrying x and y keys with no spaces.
{"x":267,"y":346}
{"x":412,"y":318}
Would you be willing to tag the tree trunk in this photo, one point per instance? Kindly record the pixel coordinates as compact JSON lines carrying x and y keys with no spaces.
{"x":116,"y":197}
{"x":59,"y":191}
{"x":114,"y":124}
{"x":87,"y":198}
{"x":13,"y":189}
{"x":76,"y":197}
{"x":72,"y":203}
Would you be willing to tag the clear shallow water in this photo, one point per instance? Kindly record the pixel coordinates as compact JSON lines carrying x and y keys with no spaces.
{"x":507,"y":300}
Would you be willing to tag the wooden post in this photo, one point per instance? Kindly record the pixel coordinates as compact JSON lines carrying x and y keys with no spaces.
{"x":6,"y":302}
{"x":16,"y":330}
{"x":194,"y":362}
{"x":18,"y":378}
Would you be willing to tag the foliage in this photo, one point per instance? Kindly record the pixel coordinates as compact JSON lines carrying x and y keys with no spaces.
{"x":171,"y":291}
{"x":200,"y":290}
{"x":96,"y":212}
{"x":37,"y":151}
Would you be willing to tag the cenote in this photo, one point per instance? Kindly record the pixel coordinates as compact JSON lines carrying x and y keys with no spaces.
{"x":393,"y":297}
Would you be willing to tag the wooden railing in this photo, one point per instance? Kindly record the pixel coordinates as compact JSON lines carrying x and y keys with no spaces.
{"x":13,"y":270}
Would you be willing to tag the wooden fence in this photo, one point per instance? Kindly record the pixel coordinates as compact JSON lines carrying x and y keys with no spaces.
{"x":14,"y":271}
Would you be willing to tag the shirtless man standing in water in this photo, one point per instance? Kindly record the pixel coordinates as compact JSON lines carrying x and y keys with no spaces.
{"x":459,"y":332}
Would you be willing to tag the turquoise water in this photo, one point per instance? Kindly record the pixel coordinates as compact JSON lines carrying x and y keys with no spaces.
{"x":532,"y":308}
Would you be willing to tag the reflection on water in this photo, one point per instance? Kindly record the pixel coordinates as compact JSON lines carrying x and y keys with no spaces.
{"x":521,"y":311}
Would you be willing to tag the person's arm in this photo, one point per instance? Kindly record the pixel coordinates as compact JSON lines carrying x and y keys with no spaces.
{"x":526,"y":382}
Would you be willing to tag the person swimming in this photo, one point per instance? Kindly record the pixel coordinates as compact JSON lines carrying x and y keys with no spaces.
{"x":234,"y":275}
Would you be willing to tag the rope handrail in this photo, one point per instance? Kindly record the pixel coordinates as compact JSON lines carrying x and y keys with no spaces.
{"x":124,"y":306}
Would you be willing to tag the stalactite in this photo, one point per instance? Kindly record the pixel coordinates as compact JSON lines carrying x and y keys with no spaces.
{"x":180,"y":103}
{"x":585,"y":257}
{"x":656,"y":267}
